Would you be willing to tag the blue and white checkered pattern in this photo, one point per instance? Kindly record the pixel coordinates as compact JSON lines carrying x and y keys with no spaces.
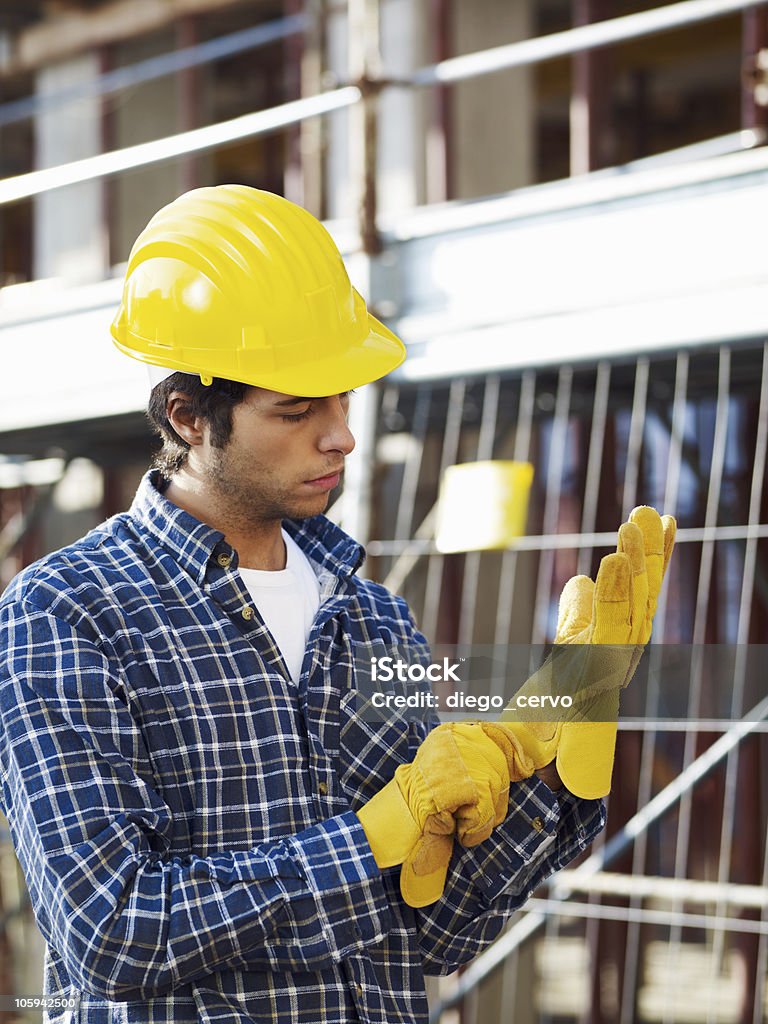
{"x":184,"y":813}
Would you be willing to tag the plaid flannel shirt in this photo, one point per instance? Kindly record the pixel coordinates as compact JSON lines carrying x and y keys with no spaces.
{"x":184,"y":813}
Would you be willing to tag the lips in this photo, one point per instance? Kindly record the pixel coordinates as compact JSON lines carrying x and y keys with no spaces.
{"x":329,"y":481}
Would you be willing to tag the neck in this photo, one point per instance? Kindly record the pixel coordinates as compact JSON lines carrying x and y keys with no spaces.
{"x":259,"y":544}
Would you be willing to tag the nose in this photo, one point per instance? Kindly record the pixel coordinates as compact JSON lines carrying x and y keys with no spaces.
{"x":336,"y":435}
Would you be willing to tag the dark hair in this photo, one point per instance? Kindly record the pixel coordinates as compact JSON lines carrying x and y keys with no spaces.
{"x":213,"y":402}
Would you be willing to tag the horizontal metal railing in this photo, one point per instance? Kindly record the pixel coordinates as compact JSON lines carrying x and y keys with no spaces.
{"x":565,"y":541}
{"x":152,"y":68}
{"x":525,"y":52}
{"x":578,"y":40}
{"x":647,"y":886}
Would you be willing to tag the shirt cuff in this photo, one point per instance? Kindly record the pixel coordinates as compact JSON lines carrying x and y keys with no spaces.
{"x":580,"y":821}
{"x":345,"y":884}
{"x":542,"y":832}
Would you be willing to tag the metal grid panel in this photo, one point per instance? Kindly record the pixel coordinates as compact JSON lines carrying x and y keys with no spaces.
{"x":686,"y":433}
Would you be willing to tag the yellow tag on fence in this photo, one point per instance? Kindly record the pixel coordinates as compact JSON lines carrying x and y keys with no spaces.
{"x":482,"y":505}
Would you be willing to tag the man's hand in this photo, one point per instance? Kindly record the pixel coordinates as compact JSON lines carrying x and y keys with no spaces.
{"x":458,"y":782}
{"x":608,"y":623}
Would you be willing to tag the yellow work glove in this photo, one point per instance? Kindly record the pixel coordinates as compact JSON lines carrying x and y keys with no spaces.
{"x":613,"y":616}
{"x":493,"y":758}
{"x":586,"y":749}
{"x":591,"y":678}
{"x":414,"y":825}
{"x":458,"y":782}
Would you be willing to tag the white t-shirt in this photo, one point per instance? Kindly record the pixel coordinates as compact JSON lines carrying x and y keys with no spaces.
{"x":287,"y":600}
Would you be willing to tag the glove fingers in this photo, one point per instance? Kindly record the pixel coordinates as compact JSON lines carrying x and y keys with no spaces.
{"x":612,"y":604}
{"x":670,"y":529}
{"x":478,"y":751}
{"x":423,"y":874}
{"x":574,"y":612}
{"x":486,"y":763}
{"x":445,"y":783}
{"x":631,"y":543}
{"x":442,"y":823}
{"x":475,"y":824}
{"x":649,"y":522}
{"x":475,"y":830}
{"x":521,"y":762}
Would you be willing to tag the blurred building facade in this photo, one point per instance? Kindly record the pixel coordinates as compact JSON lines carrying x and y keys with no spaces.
{"x":570,"y":239}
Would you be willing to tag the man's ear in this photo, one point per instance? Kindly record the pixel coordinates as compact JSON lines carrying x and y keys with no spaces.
{"x":189,"y":427}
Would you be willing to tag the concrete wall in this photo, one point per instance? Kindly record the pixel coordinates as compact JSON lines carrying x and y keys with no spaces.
{"x":69,"y":240}
{"x":139,"y":114}
{"x":492,"y":116}
{"x":491,"y":125}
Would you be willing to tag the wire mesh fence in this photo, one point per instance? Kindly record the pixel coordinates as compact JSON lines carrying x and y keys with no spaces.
{"x":687,"y":434}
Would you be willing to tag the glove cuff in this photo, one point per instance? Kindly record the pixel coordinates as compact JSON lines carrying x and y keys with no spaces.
{"x":585,"y":758}
{"x":389,"y":826}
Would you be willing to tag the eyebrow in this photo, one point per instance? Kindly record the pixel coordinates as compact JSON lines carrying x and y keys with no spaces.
{"x":292,"y":401}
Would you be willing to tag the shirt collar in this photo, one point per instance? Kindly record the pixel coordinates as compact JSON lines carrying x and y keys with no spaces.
{"x":327,"y":544}
{"x":193,"y":543}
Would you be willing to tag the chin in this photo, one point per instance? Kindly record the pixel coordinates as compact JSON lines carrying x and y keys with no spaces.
{"x":309,"y":508}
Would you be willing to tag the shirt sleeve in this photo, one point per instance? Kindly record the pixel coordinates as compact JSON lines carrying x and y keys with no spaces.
{"x":486,"y":884}
{"x":93,"y":837}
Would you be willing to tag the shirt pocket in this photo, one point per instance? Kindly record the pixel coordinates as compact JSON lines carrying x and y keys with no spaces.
{"x":373,"y":742}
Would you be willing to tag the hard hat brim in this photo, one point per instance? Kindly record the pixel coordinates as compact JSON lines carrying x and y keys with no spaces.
{"x":378,"y":354}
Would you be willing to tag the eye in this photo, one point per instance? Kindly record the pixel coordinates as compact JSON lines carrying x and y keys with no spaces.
{"x":298,"y":417}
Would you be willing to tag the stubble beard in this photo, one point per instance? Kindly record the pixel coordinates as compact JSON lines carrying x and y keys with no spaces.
{"x":249,"y":497}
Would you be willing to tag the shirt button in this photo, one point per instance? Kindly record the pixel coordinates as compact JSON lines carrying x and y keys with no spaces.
{"x":247,"y":612}
{"x":224,"y":561}
{"x":322,"y":788}
{"x":359,"y":989}
{"x":537,"y":823}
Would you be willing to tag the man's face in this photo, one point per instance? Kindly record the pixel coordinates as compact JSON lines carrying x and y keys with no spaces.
{"x":283,"y":458}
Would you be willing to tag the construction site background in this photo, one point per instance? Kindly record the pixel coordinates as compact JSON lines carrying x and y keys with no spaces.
{"x":567,"y":228}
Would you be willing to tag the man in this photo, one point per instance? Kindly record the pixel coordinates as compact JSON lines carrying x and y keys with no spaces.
{"x":207,"y":829}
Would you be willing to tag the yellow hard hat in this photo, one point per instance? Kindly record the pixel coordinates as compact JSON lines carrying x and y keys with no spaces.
{"x":234,"y":282}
